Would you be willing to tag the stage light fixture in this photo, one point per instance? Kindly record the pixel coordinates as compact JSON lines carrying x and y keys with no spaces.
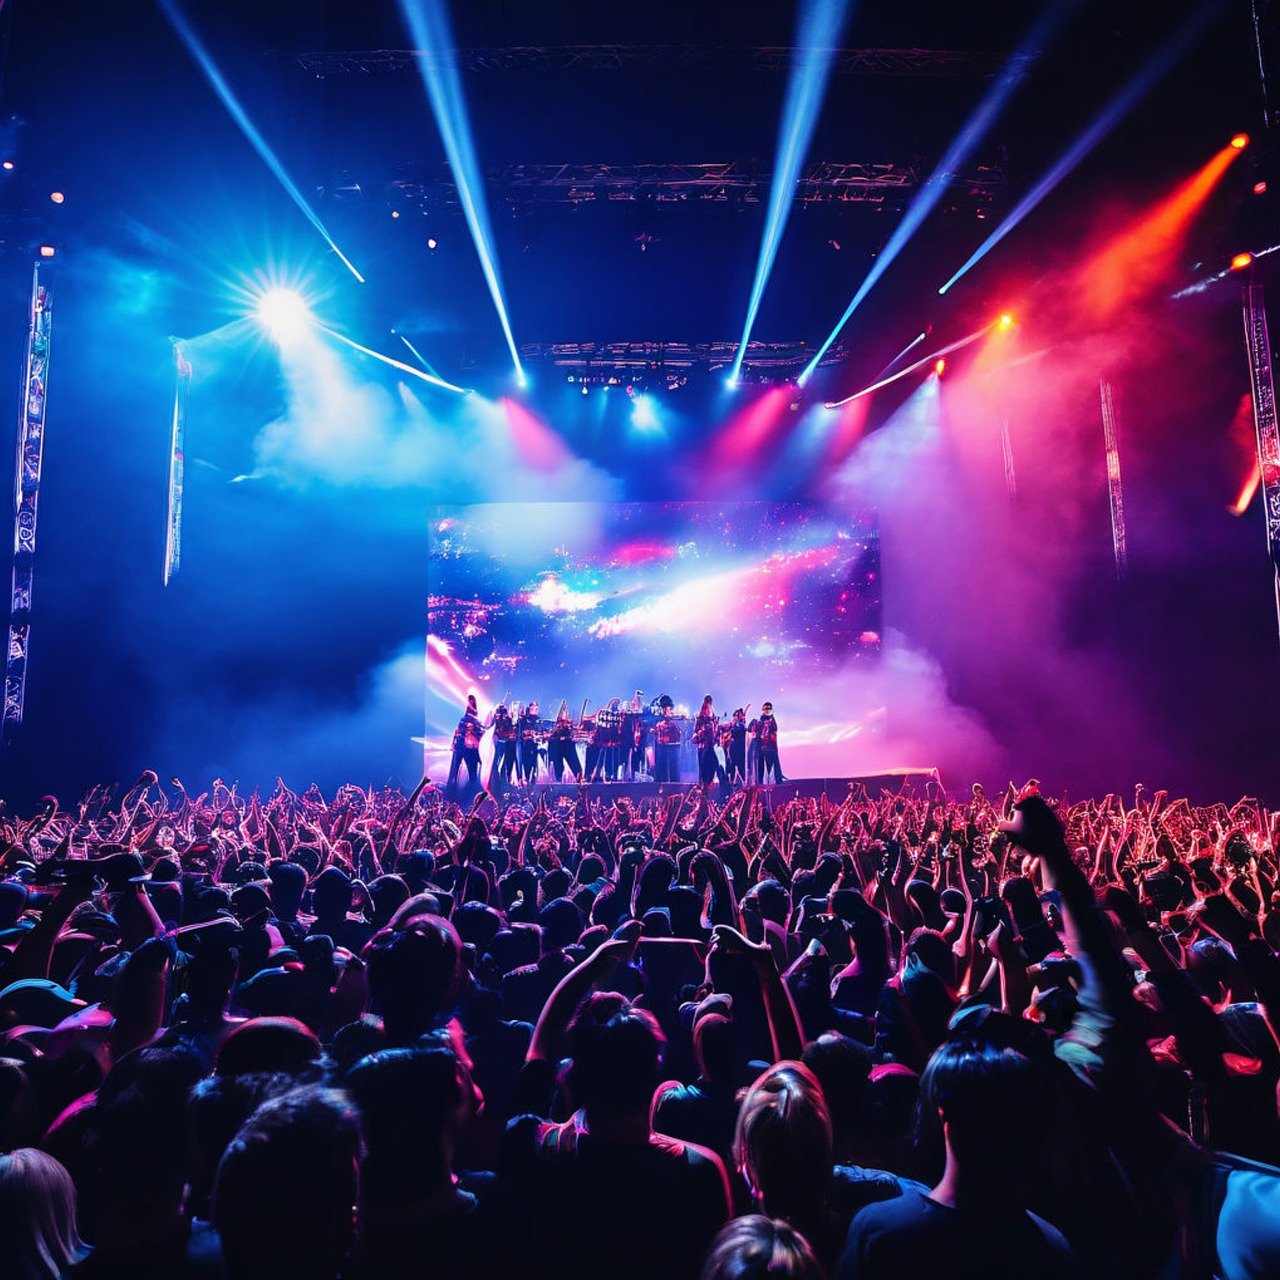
{"x":283,"y":313}
{"x":1260,"y":188}
{"x":432,"y":242}
{"x":1240,"y":141}
{"x":47,"y":251}
{"x":395,"y":213}
{"x":1240,"y":261}
{"x":8,"y":164}
{"x":940,"y":367}
{"x":57,"y":197}
{"x":1006,"y":321}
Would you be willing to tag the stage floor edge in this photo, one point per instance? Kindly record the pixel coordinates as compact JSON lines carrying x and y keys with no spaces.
{"x":877,"y":784}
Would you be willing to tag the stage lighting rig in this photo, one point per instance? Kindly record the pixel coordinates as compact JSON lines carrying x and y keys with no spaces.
{"x":283,"y":313}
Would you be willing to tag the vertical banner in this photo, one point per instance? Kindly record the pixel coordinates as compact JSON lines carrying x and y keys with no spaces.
{"x":26,"y":494}
{"x":177,"y":438}
{"x":1115,"y":491}
{"x":1262,"y":384}
{"x":1006,"y":448}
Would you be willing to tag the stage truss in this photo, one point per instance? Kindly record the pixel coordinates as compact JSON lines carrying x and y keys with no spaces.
{"x":613,"y":57}
{"x":1262,"y":383}
{"x":177,"y":463}
{"x":733,"y":183}
{"x":26,"y":493}
{"x":604,"y":363}
{"x":1115,"y":490}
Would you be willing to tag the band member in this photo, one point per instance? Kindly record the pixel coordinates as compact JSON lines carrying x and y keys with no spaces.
{"x":733,"y":741}
{"x":705,"y":732}
{"x":504,"y":747}
{"x":609,"y":721}
{"x":635,"y":734}
{"x":561,"y":749}
{"x":527,"y":728}
{"x":466,"y":748}
{"x":666,"y":737}
{"x":765,"y":732}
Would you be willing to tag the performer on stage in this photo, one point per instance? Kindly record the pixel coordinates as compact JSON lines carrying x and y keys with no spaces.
{"x":504,"y":747}
{"x":466,"y":749}
{"x":527,"y":728}
{"x":561,"y":749}
{"x":733,"y":740}
{"x":666,"y":737}
{"x":609,"y":720}
{"x":765,"y":732}
{"x":705,"y":733}
{"x":635,"y":734}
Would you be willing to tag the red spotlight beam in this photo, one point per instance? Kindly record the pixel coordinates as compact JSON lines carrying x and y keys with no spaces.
{"x":932,"y":358}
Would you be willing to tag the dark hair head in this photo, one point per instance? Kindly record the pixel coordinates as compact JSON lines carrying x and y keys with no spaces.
{"x":989,"y":1097}
{"x":714,"y":1048}
{"x":615,"y":1060}
{"x":271,"y":1045}
{"x":754,"y":1247}
{"x":415,"y":976}
{"x":411,"y":1102}
{"x":285,"y":1194}
{"x":843,"y":1069}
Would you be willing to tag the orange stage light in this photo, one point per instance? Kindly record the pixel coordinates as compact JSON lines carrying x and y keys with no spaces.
{"x":1248,"y":489}
{"x":1006,"y":321}
{"x":1240,"y":261}
{"x":1139,"y":258}
{"x":1240,"y":141}
{"x":940,"y":367}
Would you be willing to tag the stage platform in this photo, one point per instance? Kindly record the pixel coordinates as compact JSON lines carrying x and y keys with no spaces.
{"x":877,"y":784}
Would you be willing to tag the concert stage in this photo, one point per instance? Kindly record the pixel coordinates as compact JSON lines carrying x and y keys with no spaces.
{"x":877,"y":784}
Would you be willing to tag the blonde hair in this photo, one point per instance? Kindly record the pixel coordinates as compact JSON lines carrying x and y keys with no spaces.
{"x":754,"y":1247}
{"x":38,"y":1236}
{"x":783,"y":1142}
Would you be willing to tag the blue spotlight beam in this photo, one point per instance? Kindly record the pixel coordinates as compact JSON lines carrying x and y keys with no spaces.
{"x":428,"y":24}
{"x":1169,"y":53}
{"x":392,"y":361}
{"x":931,"y":358}
{"x":915,"y":342}
{"x":817,"y":36}
{"x":195,"y":47}
{"x":1044,"y":29}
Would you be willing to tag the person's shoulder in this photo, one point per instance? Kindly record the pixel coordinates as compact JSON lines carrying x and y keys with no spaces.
{"x":906,"y":1211}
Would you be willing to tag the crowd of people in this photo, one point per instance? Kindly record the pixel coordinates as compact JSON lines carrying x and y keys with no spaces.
{"x":856,"y":1036}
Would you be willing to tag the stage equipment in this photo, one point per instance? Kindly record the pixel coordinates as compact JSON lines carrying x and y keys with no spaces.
{"x":611,"y":57}
{"x":1115,"y":491}
{"x":1262,"y":382}
{"x":658,"y":364}
{"x":26,"y":493}
{"x":1006,"y":450}
{"x":177,"y":463}
{"x":733,"y":182}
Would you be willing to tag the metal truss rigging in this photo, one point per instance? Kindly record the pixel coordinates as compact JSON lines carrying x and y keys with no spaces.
{"x":26,"y":494}
{"x":611,"y":57}
{"x":726,"y":182}
{"x":667,"y":358}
